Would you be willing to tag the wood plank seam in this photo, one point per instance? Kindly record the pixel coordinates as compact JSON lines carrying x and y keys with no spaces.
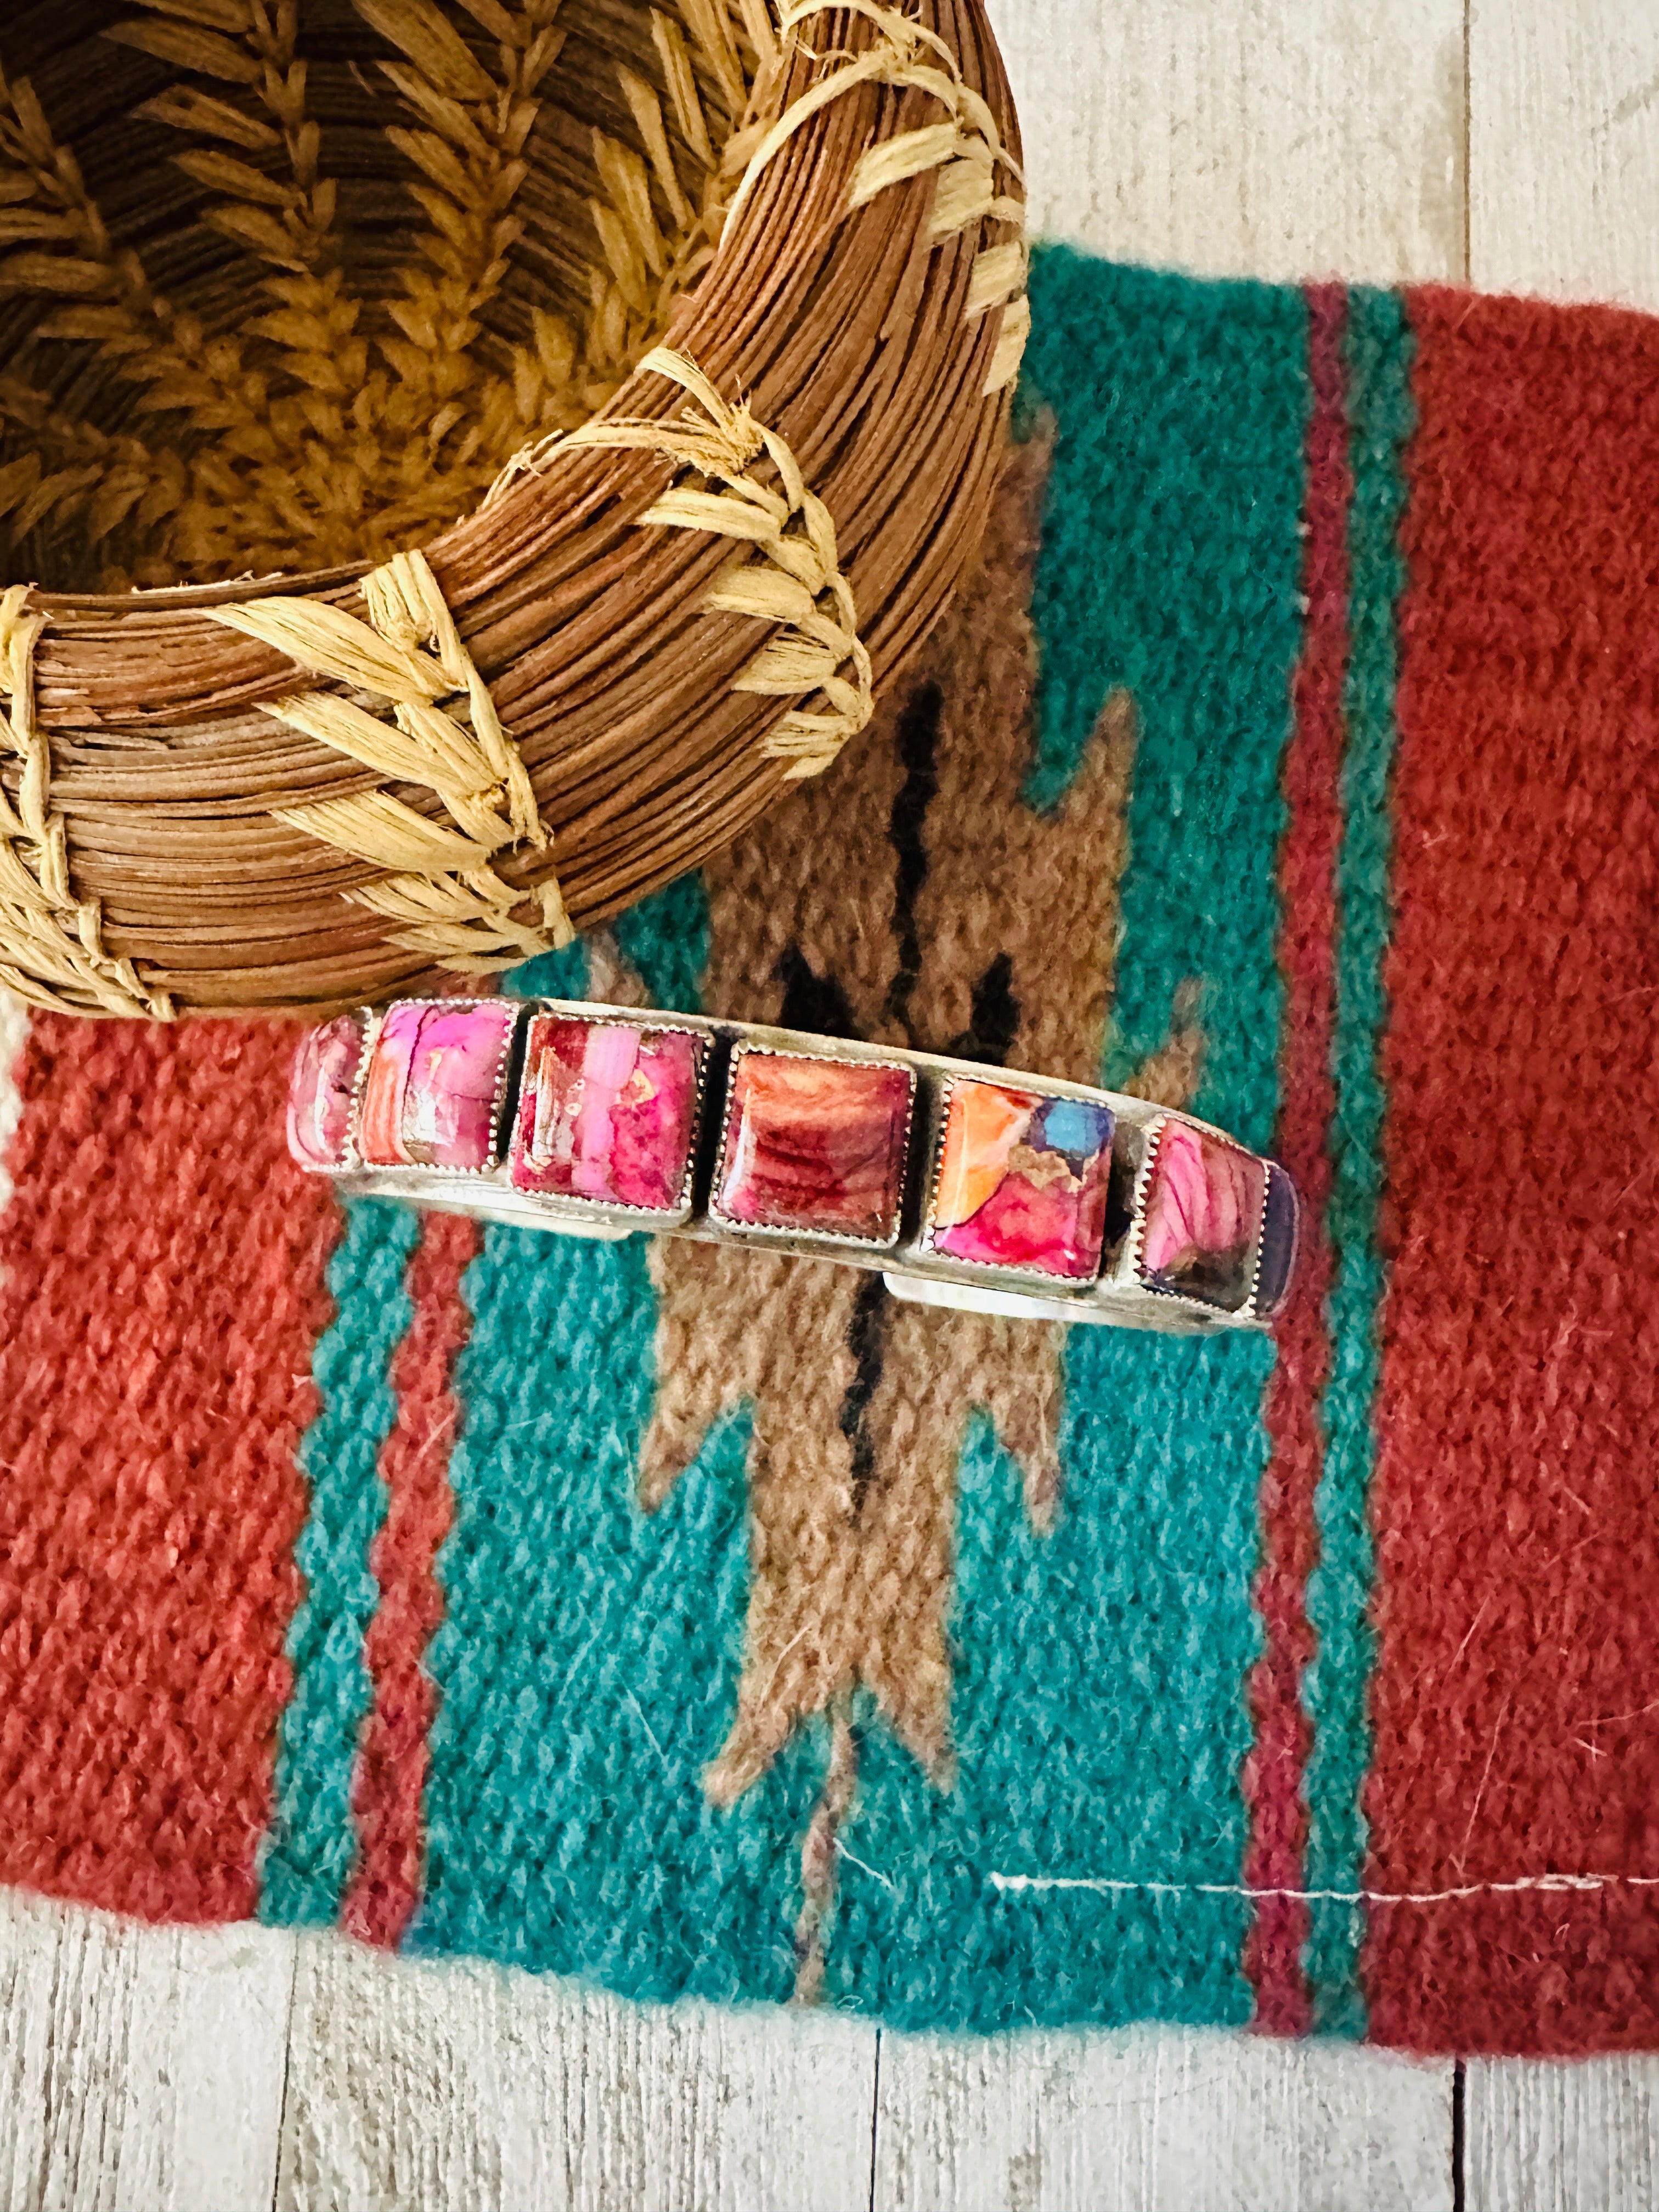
{"x":288,"y":2074}
{"x":875,"y":2117}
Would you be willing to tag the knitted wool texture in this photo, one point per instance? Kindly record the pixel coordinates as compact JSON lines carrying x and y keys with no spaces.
{"x":702,"y":1623}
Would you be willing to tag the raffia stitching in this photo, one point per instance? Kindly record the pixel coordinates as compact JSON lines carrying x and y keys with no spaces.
{"x":440,"y":882}
{"x":52,"y":943}
{"x":966,"y":152}
{"x":791,"y":575}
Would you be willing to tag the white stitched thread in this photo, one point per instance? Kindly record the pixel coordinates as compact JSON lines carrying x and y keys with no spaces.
{"x":1106,"y":1885}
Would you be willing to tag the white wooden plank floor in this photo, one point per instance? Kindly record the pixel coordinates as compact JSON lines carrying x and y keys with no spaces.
{"x":1510,"y":143}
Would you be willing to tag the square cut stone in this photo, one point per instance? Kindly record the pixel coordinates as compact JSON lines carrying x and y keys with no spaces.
{"x":319,"y":1089}
{"x":1021,"y":1180}
{"x":1201,"y":1215}
{"x":814,"y":1145}
{"x":432,"y":1098}
{"x":608,"y":1113}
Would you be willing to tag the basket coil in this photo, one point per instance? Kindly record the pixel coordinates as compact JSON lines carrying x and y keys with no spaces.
{"x":526,"y":545}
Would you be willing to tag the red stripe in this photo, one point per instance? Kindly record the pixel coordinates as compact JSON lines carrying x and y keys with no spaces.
{"x":1273,"y":1773}
{"x":161,"y":1289}
{"x":1516,"y":1700}
{"x":391,"y":1778}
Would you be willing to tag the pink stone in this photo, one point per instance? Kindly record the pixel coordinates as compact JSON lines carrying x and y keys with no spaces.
{"x":815,"y":1144}
{"x":1021,"y":1180}
{"x":608,"y":1112}
{"x":431,"y":1098}
{"x":1202,"y":1210}
{"x":319,"y":1092}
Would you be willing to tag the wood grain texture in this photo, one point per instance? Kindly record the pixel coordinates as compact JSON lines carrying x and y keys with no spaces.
{"x":1544,"y":2136}
{"x":1564,"y":136}
{"x":1148,"y":2121}
{"x":141,"y":2068}
{"x":436,"y":2086}
{"x":1276,"y":138}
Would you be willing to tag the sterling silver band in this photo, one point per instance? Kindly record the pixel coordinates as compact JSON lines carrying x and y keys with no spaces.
{"x":966,"y":1186}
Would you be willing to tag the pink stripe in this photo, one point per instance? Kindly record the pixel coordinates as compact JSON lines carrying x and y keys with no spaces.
{"x":1274,"y":1771}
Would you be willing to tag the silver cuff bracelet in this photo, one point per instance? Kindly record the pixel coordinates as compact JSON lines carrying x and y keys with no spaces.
{"x":964,"y":1185}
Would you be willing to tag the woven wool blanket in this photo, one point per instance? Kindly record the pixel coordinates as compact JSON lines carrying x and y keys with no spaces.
{"x":696,"y":1622}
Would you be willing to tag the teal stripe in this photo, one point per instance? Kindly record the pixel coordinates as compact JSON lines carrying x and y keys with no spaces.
{"x":311,"y":1846}
{"x":1171,"y":567}
{"x":588,"y":1664}
{"x":313,"y":1838}
{"x":1098,"y":1702}
{"x":554,"y":975}
{"x":1381,"y":417}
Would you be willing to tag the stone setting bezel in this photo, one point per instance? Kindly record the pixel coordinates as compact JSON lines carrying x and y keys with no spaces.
{"x":701,"y":1045}
{"x":779,"y":1234}
{"x":1015,"y":1270}
{"x":1247,"y":1309}
{"x":490,"y":1166}
{"x":351,"y":1157}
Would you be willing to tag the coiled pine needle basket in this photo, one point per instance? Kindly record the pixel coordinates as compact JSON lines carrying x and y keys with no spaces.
{"x":464,"y":458}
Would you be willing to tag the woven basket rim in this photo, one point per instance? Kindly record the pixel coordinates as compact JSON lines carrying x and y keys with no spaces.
{"x":803,"y":202}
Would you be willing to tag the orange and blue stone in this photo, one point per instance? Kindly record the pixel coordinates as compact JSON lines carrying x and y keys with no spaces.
{"x":323,"y":1077}
{"x":1021,"y":1180}
{"x":814,"y":1145}
{"x":1201,"y":1213}
{"x":432,"y":1097}
{"x":608,"y":1113}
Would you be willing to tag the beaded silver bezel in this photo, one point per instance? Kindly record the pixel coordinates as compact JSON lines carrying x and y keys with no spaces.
{"x":361,"y":1022}
{"x":647,"y":1216}
{"x":1056,"y":1285}
{"x":755,"y":1230}
{"x":376,"y":1023}
{"x":1246,"y":1310}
